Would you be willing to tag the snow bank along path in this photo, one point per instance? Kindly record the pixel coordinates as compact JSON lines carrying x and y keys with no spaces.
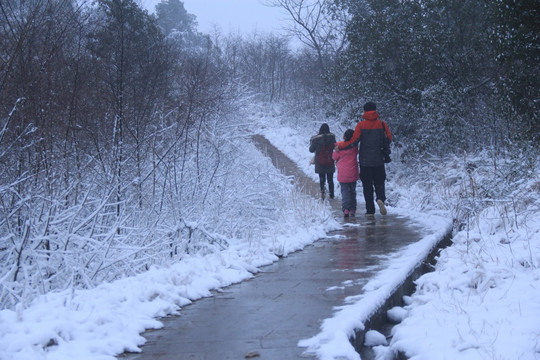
{"x":342,"y":335}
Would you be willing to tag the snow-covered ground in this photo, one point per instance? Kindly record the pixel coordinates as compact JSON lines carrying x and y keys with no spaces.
{"x":481,"y":302}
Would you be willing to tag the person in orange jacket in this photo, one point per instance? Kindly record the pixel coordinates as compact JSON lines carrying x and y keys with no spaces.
{"x":371,"y":133}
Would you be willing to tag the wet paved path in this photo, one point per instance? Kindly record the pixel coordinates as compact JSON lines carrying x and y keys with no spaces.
{"x":286,"y":302}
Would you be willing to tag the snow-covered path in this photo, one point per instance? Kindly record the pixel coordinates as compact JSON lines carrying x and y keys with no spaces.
{"x":287,"y":302}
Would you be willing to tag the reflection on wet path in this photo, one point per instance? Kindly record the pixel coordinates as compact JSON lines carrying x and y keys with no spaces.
{"x":288,"y":300}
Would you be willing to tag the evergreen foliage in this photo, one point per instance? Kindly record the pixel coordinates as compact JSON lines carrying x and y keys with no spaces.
{"x":172,"y":15}
{"x":516,"y":38}
{"x":433,"y":68}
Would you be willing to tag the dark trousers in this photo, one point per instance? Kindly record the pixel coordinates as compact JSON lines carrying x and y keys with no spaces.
{"x":322,"y":180}
{"x":373,"y":179}
{"x":348,"y":196}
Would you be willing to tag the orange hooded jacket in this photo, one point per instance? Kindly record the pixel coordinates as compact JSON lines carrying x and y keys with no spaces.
{"x":370,"y":133}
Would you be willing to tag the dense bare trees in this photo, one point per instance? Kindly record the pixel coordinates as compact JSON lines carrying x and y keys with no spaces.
{"x":319,"y":25}
{"x":117,"y":131}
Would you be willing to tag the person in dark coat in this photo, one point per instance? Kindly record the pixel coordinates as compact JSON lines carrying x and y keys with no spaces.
{"x":322,"y":145}
{"x":371,"y":132}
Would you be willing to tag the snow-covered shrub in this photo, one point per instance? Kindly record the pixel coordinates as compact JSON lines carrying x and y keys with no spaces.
{"x":481,"y":299}
{"x":194,"y":191}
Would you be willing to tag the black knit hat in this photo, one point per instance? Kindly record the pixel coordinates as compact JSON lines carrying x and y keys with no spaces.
{"x":370,"y":106}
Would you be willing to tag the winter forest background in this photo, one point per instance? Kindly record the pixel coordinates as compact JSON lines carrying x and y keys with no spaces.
{"x":122,"y":133}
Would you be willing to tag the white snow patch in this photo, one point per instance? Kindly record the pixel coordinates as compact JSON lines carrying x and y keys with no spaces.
{"x":396,"y":314}
{"x":374,"y":338}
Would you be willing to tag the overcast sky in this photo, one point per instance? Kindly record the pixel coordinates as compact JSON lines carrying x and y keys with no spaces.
{"x":244,"y":16}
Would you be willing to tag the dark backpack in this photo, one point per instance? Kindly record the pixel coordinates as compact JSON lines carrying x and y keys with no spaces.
{"x":325,"y":155}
